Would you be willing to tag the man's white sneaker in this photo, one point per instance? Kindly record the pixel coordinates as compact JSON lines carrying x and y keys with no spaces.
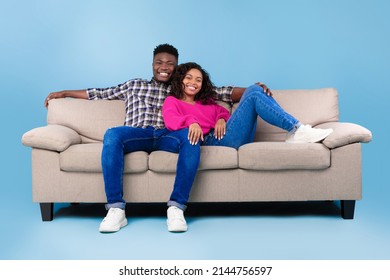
{"x":176,"y":221}
{"x":307,"y":134}
{"x":114,"y":220}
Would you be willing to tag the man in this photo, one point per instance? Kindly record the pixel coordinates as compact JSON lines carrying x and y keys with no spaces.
{"x":144,"y":130}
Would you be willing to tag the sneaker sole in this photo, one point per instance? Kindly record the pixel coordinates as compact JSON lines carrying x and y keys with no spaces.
{"x":122,"y":224}
{"x":314,"y":140}
{"x":177,"y":229}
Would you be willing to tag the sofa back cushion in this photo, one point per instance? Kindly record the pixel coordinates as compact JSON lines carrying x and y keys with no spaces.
{"x":309,"y":106}
{"x":89,"y":118}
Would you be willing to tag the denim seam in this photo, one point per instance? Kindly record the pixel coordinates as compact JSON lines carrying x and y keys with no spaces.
{"x":271,"y":108}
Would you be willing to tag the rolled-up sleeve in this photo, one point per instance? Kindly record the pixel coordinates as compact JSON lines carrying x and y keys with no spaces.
{"x":224,"y":93}
{"x":110,"y":93}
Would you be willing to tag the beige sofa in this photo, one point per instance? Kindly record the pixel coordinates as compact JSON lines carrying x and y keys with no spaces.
{"x":66,"y":159}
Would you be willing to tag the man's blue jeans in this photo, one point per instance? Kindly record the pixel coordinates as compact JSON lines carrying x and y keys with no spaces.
{"x":240,"y":128}
{"x":119,"y":141}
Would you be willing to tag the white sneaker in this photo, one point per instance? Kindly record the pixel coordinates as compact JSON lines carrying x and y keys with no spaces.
{"x":176,"y":221}
{"x":307,"y":134}
{"x":114,"y":220}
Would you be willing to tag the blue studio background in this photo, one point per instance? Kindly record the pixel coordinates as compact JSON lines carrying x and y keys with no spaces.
{"x":54,"y":45}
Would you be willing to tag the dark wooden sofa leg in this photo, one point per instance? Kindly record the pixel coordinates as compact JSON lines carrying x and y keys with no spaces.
{"x":347,"y":209}
{"x":47,"y":211}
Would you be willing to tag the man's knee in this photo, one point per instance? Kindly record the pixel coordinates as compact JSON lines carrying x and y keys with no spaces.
{"x":112,"y":136}
{"x":180,"y":136}
{"x":109,"y":134}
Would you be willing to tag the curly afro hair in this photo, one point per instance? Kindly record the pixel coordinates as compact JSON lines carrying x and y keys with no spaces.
{"x":207,"y":93}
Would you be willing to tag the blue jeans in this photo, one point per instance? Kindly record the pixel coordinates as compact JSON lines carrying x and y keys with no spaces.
{"x":119,"y":141}
{"x":240,"y":128}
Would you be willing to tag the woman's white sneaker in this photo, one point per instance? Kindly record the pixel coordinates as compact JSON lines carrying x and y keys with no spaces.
{"x":176,"y":221}
{"x":307,"y":134}
{"x":114,"y":220}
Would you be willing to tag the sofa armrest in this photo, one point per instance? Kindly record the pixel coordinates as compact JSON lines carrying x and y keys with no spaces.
{"x":345,"y":133}
{"x":51,"y":137}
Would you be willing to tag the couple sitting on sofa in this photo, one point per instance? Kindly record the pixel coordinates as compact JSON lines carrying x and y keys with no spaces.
{"x":187,"y":119}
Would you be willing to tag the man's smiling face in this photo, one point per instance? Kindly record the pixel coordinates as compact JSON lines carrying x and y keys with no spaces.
{"x":164,"y":65}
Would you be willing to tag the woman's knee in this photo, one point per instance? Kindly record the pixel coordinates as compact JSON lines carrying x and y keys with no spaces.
{"x":255,"y":91}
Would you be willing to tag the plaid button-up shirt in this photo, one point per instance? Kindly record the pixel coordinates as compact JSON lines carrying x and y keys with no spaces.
{"x":144,"y":100}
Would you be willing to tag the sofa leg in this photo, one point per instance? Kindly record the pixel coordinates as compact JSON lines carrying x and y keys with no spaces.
{"x":347,"y":209}
{"x":47,"y":211}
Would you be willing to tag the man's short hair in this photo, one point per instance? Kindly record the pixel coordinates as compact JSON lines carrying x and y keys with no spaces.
{"x":167,"y":48}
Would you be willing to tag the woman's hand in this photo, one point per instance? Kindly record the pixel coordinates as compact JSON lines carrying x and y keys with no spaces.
{"x":220,"y":129}
{"x":195,"y":133}
{"x":265,"y":88}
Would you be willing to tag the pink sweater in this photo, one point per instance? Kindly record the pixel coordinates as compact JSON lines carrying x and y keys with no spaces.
{"x":178,"y":114}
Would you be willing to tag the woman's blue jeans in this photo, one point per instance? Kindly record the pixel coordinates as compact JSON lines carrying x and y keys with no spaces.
{"x":240,"y":128}
{"x":119,"y":141}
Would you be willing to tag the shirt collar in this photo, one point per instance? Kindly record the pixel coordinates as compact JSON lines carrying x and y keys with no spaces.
{"x":154,"y":81}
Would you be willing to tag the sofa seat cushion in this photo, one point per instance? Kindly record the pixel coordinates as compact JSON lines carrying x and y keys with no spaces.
{"x":282,"y":156}
{"x":210,"y":158}
{"x":87,"y":158}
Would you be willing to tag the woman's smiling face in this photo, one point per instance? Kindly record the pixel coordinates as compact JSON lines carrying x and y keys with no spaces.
{"x":192,"y":83}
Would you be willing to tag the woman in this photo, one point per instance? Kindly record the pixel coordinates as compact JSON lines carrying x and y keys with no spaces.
{"x":190,"y":105}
